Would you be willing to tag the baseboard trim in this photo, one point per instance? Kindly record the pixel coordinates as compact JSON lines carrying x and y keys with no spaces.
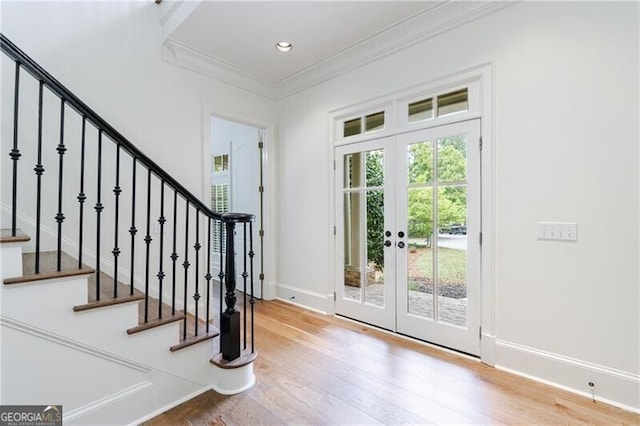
{"x":488,"y":349}
{"x":169,"y":406}
{"x":270,"y":291}
{"x":614,"y":387}
{"x":319,"y":302}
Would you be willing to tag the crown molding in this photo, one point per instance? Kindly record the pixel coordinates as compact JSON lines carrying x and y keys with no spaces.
{"x":420,"y":28}
{"x":192,"y":59}
{"x":431,"y":23}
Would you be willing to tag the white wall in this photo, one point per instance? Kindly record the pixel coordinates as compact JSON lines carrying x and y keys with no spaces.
{"x":566,"y":149}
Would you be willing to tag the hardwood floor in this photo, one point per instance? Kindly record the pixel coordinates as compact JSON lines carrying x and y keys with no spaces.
{"x":317,"y":369}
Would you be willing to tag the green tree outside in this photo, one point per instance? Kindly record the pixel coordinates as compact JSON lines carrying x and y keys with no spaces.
{"x":374,"y":163}
{"x":452,"y":200}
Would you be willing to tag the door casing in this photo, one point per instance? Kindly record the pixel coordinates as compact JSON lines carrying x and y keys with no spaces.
{"x":480,"y":79}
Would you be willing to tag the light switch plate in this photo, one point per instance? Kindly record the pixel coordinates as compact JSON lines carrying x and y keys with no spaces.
{"x":559,"y":231}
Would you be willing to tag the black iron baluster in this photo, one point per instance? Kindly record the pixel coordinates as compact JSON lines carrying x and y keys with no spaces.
{"x":60,"y":216}
{"x":132,"y":229}
{"x":186,"y":265}
{"x":197,"y":246}
{"x":174,"y":253}
{"x":99,"y":207}
{"x":39,"y":169}
{"x":221,"y":273}
{"x":252,"y":300}
{"x":147,"y":241}
{"x":261,"y":203}
{"x":81,"y":195}
{"x":244,"y":282}
{"x":161,"y":275}
{"x":207,"y":277}
{"x":15,"y":152}
{"x":116,"y":249}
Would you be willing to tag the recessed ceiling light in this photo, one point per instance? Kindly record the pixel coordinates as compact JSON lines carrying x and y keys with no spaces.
{"x":284,"y":46}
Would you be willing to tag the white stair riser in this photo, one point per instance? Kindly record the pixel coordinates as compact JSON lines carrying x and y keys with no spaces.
{"x":46,"y":302}
{"x":11,"y":260}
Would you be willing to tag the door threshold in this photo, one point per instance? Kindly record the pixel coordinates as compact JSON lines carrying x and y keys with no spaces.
{"x":413,"y":339}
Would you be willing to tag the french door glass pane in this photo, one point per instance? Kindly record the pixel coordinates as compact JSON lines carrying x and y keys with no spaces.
{"x":452,"y":255}
{"x":436,"y":258}
{"x":374,"y":269}
{"x":375,"y":168}
{"x":420,"y":162}
{"x":452,"y":159}
{"x":420,"y":255}
{"x":352,"y":170}
{"x":364,"y":226}
{"x":352,"y":251}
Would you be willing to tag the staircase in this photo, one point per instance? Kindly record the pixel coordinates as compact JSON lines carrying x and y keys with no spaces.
{"x":113,"y":325}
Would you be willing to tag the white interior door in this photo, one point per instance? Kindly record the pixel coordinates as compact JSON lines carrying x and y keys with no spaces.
{"x":408,"y":228}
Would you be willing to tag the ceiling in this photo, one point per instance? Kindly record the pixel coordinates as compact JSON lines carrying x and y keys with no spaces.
{"x":234,"y":41}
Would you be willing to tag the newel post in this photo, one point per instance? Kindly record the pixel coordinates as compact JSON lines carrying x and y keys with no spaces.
{"x":230,"y":321}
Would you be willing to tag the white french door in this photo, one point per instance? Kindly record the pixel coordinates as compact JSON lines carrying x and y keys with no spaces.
{"x":407,"y":234}
{"x":364,"y":200}
{"x":438,"y":208}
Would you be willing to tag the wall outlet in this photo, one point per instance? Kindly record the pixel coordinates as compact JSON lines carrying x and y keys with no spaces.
{"x":560,"y":231}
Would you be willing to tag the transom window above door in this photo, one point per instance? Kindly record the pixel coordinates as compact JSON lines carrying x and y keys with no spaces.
{"x":372,"y":123}
{"x":408,"y":111}
{"x":438,"y":106}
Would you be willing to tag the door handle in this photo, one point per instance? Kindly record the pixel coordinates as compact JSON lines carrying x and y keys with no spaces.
{"x":387,"y":243}
{"x":401,"y":244}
